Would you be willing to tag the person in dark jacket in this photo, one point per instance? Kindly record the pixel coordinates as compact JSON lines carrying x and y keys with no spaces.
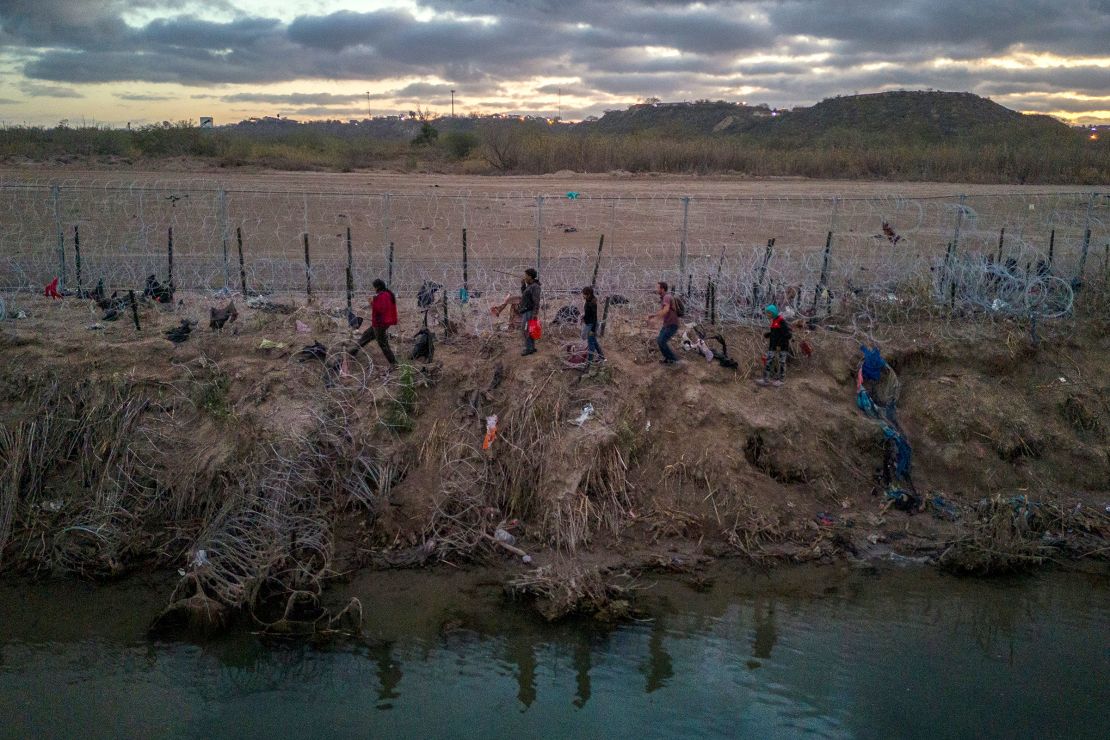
{"x":774,"y":364}
{"x":383,"y":314}
{"x":590,"y":327}
{"x":529,"y":307}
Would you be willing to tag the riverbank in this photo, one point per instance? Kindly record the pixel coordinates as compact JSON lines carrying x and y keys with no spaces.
{"x":258,"y":479}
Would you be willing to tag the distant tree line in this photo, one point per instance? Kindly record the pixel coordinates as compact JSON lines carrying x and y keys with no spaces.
{"x":997,"y":154}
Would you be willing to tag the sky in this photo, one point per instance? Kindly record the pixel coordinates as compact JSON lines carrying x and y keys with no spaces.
{"x":111,"y":62}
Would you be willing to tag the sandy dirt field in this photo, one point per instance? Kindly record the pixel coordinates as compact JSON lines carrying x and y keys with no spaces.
{"x":411,"y":227}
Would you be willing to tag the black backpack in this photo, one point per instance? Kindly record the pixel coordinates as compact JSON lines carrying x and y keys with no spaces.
{"x":424,"y":346}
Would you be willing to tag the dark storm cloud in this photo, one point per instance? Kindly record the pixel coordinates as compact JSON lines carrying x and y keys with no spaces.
{"x":35,"y":90}
{"x":962,"y":26}
{"x":293,"y":98}
{"x":1051,"y":104}
{"x":484,"y":46}
{"x":324,"y":111}
{"x":191,"y":33}
{"x":144,"y":98}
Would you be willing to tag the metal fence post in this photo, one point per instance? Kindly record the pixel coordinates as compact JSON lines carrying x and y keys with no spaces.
{"x":55,"y":194}
{"x":222,"y":205}
{"x":683,"y":255}
{"x":959,"y":222}
{"x":539,"y":231}
{"x":387,"y":245}
{"x":952,"y":250}
{"x":1086,"y":239}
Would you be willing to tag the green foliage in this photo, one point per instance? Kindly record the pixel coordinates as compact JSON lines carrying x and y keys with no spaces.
{"x":427,"y":136}
{"x":460,"y":144}
{"x":398,"y":416}
{"x":212,"y":396}
{"x":953,"y":137}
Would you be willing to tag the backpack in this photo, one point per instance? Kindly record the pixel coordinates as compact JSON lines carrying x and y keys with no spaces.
{"x":424,"y":346}
{"x":678,"y":305}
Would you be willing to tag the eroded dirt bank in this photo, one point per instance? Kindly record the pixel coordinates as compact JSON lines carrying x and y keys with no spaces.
{"x":257,"y":478}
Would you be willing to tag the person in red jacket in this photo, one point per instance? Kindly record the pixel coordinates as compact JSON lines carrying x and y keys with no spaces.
{"x":383,"y":314}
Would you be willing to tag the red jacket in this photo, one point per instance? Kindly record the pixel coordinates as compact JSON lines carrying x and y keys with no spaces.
{"x":383,"y":310}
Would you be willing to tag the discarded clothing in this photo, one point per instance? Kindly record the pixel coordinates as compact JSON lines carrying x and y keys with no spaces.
{"x":873,"y":363}
{"x":904,"y":452}
{"x":904,"y":500}
{"x":426,"y":296}
{"x":314,"y":351}
{"x":180,"y":333}
{"x":866,"y":405}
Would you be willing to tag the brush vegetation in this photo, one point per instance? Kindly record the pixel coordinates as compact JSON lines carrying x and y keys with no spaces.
{"x":928,"y":136}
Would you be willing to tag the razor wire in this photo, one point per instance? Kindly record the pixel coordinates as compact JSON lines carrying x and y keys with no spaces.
{"x":864,"y":261}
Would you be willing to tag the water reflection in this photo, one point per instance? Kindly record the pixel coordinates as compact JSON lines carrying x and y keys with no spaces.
{"x":765,"y":636}
{"x":658,"y":667}
{"x":830,"y":663}
{"x":522,"y":655}
{"x":389,"y":673}
{"x":582,"y":664}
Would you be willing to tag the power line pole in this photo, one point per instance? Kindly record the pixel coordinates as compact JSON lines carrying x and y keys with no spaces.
{"x":369,"y":115}
{"x":452,"y":103}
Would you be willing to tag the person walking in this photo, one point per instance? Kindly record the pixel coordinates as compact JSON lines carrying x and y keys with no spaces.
{"x":668,"y":315}
{"x":590,"y":327}
{"x":383,"y":314}
{"x":529,"y":308}
{"x":774,"y":364}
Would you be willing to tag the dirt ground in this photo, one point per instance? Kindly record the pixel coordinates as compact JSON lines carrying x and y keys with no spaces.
{"x":560,"y":182}
{"x":703,"y":461}
{"x":411,"y":228}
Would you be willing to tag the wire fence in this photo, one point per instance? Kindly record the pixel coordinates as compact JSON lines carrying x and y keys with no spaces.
{"x":1004,"y":255}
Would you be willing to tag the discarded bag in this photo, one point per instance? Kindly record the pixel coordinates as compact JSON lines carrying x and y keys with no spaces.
{"x":491,"y":432}
{"x":534,"y":329}
{"x":424,"y":346}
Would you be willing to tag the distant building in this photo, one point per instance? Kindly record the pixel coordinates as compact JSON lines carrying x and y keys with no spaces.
{"x":206,"y":121}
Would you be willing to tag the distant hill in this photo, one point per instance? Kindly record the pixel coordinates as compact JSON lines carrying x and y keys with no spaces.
{"x":891,"y":116}
{"x":701,"y":117}
{"x":928,"y":116}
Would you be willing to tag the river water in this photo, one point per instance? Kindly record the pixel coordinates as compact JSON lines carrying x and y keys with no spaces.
{"x":821,"y":652}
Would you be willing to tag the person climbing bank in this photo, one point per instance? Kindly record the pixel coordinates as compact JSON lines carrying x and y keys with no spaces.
{"x":774,"y":365}
{"x":590,"y":327}
{"x":383,"y":314}
{"x":529,"y":308}
{"x":668,"y":315}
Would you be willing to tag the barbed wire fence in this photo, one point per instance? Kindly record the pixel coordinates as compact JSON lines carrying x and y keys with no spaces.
{"x":871,"y":263}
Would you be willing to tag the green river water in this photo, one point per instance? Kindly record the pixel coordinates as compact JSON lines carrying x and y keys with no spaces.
{"x":809,"y":652}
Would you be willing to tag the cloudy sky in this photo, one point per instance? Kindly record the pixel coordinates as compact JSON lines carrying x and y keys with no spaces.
{"x":112,"y":61}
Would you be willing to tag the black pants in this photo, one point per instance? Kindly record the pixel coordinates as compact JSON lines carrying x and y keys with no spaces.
{"x":381,"y":335}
